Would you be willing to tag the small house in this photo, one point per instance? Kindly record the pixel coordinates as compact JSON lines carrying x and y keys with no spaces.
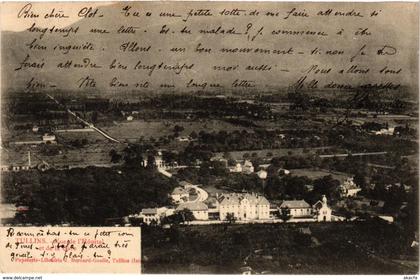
{"x":298,"y":208}
{"x":348,"y":188}
{"x":198,"y":209}
{"x":179,"y":194}
{"x":248,"y":168}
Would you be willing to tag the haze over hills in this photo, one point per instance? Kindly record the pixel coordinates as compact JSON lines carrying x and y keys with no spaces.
{"x":285,"y":69}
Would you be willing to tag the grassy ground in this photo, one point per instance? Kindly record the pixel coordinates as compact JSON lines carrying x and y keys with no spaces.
{"x":238,"y":155}
{"x":156,"y":129}
{"x":318,"y":173}
{"x":345,"y":248}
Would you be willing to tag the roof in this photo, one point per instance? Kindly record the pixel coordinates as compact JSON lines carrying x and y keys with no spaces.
{"x":150,"y":211}
{"x":193,"y":206}
{"x":184,"y":184}
{"x":262,"y":172}
{"x":247,"y":163}
{"x":318,"y":204}
{"x":179,"y":190}
{"x":295,"y":204}
{"x":237,"y":198}
{"x":349,"y":184}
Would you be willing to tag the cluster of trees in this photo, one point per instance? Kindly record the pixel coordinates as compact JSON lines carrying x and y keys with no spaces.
{"x":205,"y":174}
{"x":223,"y":248}
{"x":87,"y":196}
{"x":179,"y":217}
{"x":200,"y":106}
{"x":34,"y":104}
{"x":134,"y":154}
{"x":369,"y":126}
{"x":238,"y":182}
{"x":301,"y":187}
{"x":237,"y":140}
{"x":374,"y":143}
{"x":405,"y":131}
{"x":257,"y":139}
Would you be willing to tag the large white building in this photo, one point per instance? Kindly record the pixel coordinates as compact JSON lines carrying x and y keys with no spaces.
{"x":244,"y":206}
{"x":348,"y":188}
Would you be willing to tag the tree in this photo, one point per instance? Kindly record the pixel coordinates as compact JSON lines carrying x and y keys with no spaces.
{"x":360,"y":179}
{"x":295,"y":186}
{"x":132,"y":155}
{"x":274,"y":188}
{"x":326,"y":185}
{"x":194,"y":135}
{"x":230,"y":218}
{"x":151,"y":162}
{"x":169,"y":157}
{"x":185,"y":215}
{"x":178,"y":128}
{"x":285,"y":214}
{"x":115,"y":157}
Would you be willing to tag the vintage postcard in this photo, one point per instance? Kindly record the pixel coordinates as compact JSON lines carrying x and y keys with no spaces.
{"x":239,"y":137}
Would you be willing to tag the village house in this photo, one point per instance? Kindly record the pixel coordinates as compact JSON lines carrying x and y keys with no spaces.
{"x":36,"y":140}
{"x":198,"y":209}
{"x":262,"y":174}
{"x":298,"y":208}
{"x":180,"y":194}
{"x":150,"y":215}
{"x":248,"y":168}
{"x":244,"y":206}
{"x":282,"y":171}
{"x":348,"y":188}
{"x":221,"y":160}
{"x":236,"y":169}
{"x":184,"y":138}
{"x":48,"y":138}
{"x":406,"y":188}
{"x":386,"y":131}
{"x":158,"y":161}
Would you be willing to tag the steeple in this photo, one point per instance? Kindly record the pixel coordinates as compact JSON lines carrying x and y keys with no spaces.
{"x":324,"y":200}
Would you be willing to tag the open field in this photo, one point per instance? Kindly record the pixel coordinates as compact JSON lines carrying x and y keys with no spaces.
{"x":60,"y":156}
{"x":90,"y":136}
{"x":333,"y":248}
{"x":138,"y":128}
{"x":318,"y":173}
{"x":238,"y":155}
